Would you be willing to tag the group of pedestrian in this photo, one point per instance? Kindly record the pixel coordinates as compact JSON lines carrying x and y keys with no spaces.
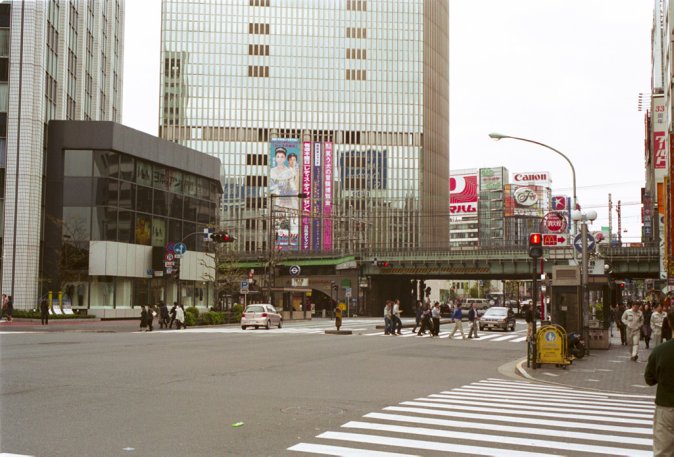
{"x":642,"y":321}
{"x":427,"y":319}
{"x":166,"y":318}
{"x":7,"y":307}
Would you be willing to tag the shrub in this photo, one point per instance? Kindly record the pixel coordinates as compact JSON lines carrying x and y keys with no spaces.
{"x":235,"y":315}
{"x":211,"y":318}
{"x":35,"y":314}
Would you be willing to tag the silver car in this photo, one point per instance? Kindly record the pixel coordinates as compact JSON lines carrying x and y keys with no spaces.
{"x":261,"y":315}
{"x":498,"y":317}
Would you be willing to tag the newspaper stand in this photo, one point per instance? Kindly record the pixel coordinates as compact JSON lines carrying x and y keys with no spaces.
{"x":552,"y":346}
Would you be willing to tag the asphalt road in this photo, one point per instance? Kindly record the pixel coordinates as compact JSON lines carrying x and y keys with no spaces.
{"x":180,"y":393}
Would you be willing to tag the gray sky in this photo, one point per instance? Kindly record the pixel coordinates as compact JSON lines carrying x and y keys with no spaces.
{"x":566,"y":73}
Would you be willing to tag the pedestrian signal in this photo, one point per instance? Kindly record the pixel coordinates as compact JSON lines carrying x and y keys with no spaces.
{"x":535,"y":245}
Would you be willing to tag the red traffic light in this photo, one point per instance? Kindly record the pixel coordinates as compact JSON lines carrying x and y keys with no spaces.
{"x":535,"y":239}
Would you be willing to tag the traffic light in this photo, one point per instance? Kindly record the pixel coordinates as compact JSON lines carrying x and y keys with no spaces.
{"x":222,"y":237}
{"x":535,"y":245}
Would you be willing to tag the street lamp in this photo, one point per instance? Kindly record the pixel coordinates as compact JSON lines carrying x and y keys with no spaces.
{"x":270,"y":231}
{"x":499,"y":136}
{"x":583,"y":218}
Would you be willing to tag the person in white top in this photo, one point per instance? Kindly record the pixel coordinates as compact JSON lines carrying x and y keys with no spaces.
{"x":633,"y":320}
{"x":396,"y":324}
{"x":180,"y":317}
{"x":657,"y":319}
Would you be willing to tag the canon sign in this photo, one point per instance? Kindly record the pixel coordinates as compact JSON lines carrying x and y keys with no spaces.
{"x":538,"y":178}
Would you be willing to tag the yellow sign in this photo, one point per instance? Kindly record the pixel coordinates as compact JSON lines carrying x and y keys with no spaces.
{"x":550,"y":342}
{"x":342,"y":306}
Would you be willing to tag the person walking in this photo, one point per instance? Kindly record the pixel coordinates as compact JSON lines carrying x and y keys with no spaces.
{"x":660,"y":371}
{"x":657,"y":319}
{"x":388,"y":309}
{"x":150,"y":317}
{"x":418,"y":312}
{"x":10,"y":308}
{"x":426,"y":321}
{"x":473,"y":317}
{"x":143,"y":317}
{"x":180,"y":317}
{"x":338,"y":317}
{"x":44,"y":312}
{"x":667,"y":324}
{"x":396,"y":323}
{"x":457,"y":317}
{"x":163,"y":315}
{"x":633,"y":319}
{"x":619,"y":323}
{"x":173,"y":314}
{"x":646,"y":327}
{"x":435,"y":316}
{"x":5,"y":299}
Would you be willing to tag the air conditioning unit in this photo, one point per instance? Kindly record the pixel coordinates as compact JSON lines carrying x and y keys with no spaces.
{"x":565,"y":275}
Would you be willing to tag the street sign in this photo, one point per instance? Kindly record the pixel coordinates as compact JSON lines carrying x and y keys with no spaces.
{"x":294,"y":270}
{"x":578,"y":242}
{"x":169,"y":263}
{"x":555,"y":241}
{"x":169,"y":256}
{"x":244,"y":286}
{"x":170,"y":246}
{"x":554,"y":222}
{"x":347,"y":292}
{"x":180,"y":248}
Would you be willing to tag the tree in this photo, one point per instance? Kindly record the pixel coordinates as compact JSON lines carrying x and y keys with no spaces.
{"x":226,"y":277}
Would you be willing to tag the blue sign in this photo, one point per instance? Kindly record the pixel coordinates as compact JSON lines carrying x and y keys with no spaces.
{"x":578,"y":242}
{"x":180,"y":248}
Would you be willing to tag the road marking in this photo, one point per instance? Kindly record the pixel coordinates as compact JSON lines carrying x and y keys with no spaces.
{"x":342,"y":451}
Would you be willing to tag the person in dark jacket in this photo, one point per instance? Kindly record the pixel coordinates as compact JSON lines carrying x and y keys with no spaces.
{"x":619,"y":323}
{"x":418,"y":311}
{"x":143,"y":317}
{"x":660,"y":371}
{"x":10,"y":308}
{"x":173,"y":315}
{"x":473,"y":318}
{"x":44,"y":312}
{"x":163,"y":315}
{"x":150,"y":318}
{"x":646,"y":328}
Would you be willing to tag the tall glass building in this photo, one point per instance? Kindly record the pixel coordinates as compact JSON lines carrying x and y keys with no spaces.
{"x":343,"y":102}
{"x":59,"y":59}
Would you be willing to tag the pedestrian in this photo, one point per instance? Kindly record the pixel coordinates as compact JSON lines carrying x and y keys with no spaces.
{"x":646,"y":327}
{"x":163,"y":315}
{"x":473,"y":317}
{"x":173,"y":314}
{"x":660,"y":371}
{"x":457,"y":317}
{"x":180,"y":317}
{"x":150,"y":317}
{"x":619,"y":323}
{"x":529,"y":319}
{"x":388,"y":309}
{"x":657,"y":319}
{"x":418,"y":312}
{"x":611,"y":317}
{"x":338,"y":317}
{"x":426,"y":320}
{"x":396,"y":323}
{"x":633,"y":319}
{"x":435,"y":316}
{"x":667,"y":324}
{"x":143,"y":317}
{"x":10,"y":308}
{"x":44,"y":312}
{"x":4,"y":306}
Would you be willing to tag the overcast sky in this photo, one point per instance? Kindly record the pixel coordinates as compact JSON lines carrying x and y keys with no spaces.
{"x":566,"y":73}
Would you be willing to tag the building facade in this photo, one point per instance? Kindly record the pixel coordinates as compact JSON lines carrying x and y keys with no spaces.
{"x":116,"y":200}
{"x":358,"y":88}
{"x":58,"y":60}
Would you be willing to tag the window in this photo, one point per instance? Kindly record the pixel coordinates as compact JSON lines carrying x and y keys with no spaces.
{"x":77,"y":191}
{"x":106,"y":163}
{"x":77,"y":162}
{"x":143,"y":229}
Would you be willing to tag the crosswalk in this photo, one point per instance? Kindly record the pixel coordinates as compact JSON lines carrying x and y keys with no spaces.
{"x":514,"y":337}
{"x":498,"y":417}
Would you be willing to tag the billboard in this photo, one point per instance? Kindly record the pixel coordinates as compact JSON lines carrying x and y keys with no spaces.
{"x":526,"y":200}
{"x":492,"y":178}
{"x":284,"y":184}
{"x":363,"y":171}
{"x":659,"y":136}
{"x":463,"y":193}
{"x":327,"y":196}
{"x":536,"y":178}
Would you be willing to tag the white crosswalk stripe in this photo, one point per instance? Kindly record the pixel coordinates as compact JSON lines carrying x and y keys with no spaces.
{"x":498,"y":417}
{"x":500,"y":337}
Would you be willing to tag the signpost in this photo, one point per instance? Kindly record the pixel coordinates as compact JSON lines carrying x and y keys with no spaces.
{"x":555,"y":222}
{"x":294,"y":270}
{"x":555,"y":241}
{"x":244,"y":291}
{"x":578,"y":242}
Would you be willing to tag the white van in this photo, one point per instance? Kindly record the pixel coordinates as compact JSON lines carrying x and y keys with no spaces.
{"x":482,"y":305}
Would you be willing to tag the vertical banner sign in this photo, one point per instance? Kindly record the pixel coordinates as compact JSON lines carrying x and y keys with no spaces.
{"x":316,"y":192}
{"x":327,"y":196}
{"x":659,"y":146}
{"x":284,"y":184}
{"x":662,"y":187}
{"x":306,"y":189}
{"x":659,"y":135}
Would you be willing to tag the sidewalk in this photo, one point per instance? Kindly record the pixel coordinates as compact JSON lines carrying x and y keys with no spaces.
{"x":605,"y":369}
{"x":69,"y":325}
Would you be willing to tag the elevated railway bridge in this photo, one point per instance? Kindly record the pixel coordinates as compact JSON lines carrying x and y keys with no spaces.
{"x":368,"y":278}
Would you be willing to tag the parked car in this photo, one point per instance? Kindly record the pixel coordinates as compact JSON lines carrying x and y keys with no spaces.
{"x":261,"y":315}
{"x":498,"y":317}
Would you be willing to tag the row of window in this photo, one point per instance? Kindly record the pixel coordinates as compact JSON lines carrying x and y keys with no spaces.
{"x":258,"y":71}
{"x":264,"y":135}
{"x":356,"y":5}
{"x":88,"y":163}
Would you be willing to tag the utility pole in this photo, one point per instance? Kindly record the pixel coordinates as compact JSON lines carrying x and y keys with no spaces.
{"x":610,"y":220}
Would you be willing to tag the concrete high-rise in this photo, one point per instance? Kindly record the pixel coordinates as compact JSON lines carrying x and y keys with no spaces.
{"x":58,"y":60}
{"x":357,"y":89}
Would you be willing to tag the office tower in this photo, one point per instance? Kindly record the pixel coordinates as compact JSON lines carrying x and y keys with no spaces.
{"x":347,"y":98}
{"x":58,"y":60}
